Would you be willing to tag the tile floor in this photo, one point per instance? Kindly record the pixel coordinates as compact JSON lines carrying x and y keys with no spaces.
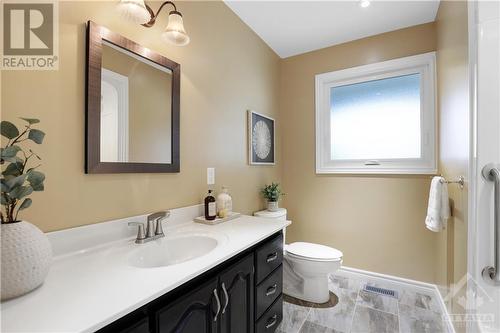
{"x":415,"y":310}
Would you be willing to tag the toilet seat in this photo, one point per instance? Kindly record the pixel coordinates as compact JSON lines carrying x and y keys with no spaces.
{"x":313,"y":252}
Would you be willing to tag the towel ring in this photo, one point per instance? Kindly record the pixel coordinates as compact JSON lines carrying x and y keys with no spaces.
{"x":460,"y":181}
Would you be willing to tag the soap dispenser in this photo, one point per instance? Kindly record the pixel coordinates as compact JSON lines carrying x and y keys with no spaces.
{"x":210,"y":207}
{"x":224,"y":203}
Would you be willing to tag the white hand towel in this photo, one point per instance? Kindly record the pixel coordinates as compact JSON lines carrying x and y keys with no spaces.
{"x":438,"y":210}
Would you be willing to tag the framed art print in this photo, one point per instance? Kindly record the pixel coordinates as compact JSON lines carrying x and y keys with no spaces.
{"x":260,"y":139}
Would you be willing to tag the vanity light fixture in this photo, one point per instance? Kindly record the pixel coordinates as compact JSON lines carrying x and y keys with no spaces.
{"x":139,"y":12}
{"x":364,"y":3}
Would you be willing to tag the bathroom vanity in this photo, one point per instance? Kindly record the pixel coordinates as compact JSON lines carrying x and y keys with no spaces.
{"x":198,"y":278}
{"x":240,"y":295}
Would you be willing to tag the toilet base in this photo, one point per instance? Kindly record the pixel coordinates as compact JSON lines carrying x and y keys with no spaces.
{"x":311,"y":289}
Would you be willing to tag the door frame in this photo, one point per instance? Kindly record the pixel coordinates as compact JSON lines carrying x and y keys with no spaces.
{"x":473,"y":167}
{"x":473,"y":259}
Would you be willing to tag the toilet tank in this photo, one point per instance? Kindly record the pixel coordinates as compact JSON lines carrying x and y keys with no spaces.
{"x":279,"y":215}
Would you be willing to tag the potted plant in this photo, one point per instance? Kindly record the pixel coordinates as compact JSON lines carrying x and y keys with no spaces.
{"x":272,"y":194}
{"x":26,"y":252}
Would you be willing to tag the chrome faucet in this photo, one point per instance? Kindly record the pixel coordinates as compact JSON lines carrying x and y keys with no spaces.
{"x":154,"y":228}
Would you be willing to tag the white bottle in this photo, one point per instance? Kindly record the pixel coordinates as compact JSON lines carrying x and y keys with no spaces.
{"x":224,"y":201}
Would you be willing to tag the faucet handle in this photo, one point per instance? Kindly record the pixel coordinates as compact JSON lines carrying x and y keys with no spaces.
{"x":159,"y":226}
{"x":141,"y":236}
{"x":159,"y":229}
{"x":158,"y":216}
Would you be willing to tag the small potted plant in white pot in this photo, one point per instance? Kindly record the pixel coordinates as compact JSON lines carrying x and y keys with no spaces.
{"x":272,"y":194}
{"x":26,"y":251}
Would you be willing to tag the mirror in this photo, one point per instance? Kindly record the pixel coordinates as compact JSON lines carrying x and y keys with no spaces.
{"x":135,"y":99}
{"x":132,"y":106}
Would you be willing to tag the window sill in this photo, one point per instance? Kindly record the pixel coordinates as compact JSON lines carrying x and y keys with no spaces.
{"x":351,"y":171}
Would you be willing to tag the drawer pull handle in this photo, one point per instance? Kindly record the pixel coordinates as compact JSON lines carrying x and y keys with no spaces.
{"x":272,"y":257}
{"x":218,"y":304}
{"x":271,"y":290}
{"x":272,"y":321}
{"x":226,"y":297}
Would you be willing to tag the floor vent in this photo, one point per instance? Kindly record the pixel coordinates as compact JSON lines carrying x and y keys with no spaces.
{"x":381,"y":291}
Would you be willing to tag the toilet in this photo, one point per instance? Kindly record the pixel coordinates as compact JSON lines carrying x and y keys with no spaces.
{"x":306,"y":266}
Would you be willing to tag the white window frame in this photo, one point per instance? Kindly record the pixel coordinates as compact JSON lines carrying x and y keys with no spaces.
{"x":425,"y":64}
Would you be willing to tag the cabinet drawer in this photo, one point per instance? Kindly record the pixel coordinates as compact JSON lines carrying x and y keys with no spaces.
{"x":268,"y":290}
{"x":268,"y":257}
{"x":272,"y":318}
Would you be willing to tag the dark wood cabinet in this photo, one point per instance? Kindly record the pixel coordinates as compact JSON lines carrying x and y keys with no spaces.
{"x":192,"y":313}
{"x":237,"y":287}
{"x":227,"y":299}
{"x":272,"y":318}
{"x":268,"y":257}
{"x":136,"y":322}
{"x":268,"y":291}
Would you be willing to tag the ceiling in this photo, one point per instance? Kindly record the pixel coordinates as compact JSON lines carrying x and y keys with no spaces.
{"x":295,"y":27}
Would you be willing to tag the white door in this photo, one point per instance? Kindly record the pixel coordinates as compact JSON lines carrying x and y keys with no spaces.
{"x":484,"y":304}
{"x":114,"y":117}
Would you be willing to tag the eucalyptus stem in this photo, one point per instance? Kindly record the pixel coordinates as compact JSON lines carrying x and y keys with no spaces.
{"x":20,"y":135}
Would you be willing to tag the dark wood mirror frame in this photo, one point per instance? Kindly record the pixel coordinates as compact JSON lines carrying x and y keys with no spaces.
{"x":96,"y":34}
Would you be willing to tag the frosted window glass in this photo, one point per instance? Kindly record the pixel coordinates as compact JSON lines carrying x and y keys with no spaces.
{"x":377,"y":119}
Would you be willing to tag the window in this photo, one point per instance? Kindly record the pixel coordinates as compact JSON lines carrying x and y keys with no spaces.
{"x":378,"y":118}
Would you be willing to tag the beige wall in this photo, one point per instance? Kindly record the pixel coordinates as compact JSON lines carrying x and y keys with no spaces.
{"x":452,"y":65}
{"x":150,"y":105}
{"x":376,"y":221}
{"x":226,"y":70}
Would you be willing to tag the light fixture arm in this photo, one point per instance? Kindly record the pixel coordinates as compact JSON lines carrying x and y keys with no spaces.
{"x":152,"y":21}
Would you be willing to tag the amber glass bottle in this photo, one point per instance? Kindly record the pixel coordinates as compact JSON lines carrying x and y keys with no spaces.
{"x":210,"y":207}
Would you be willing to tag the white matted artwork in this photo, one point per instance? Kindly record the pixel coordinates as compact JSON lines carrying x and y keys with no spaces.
{"x":260,"y":139}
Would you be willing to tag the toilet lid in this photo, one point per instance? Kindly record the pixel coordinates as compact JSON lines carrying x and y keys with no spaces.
{"x":313,"y":251}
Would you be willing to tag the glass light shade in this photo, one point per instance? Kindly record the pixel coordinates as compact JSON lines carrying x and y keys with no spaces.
{"x":174,"y":32}
{"x":134,"y":10}
{"x":364,"y":3}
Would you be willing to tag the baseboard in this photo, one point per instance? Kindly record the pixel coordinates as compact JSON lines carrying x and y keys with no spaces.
{"x":419,"y":284}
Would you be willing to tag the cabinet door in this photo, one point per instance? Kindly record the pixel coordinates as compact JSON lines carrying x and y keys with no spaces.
{"x":191,"y":313}
{"x":237,"y":282}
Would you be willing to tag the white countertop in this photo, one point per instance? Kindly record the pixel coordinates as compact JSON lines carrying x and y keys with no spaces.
{"x":90,"y":288}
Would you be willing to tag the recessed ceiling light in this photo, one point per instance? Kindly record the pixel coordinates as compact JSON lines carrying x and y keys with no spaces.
{"x":364,"y":3}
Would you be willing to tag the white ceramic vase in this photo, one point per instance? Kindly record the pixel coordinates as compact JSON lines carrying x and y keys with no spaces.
{"x":26,"y":258}
{"x":272,"y":206}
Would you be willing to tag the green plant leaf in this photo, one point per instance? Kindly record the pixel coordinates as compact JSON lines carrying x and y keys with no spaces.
{"x":20,"y":192}
{"x":38,"y":187}
{"x":36,"y":136}
{"x":26,"y":203}
{"x":16,"y":181}
{"x":13,"y":169}
{"x":30,"y":120}
{"x":3,"y":201}
{"x":35,"y":177}
{"x":14,"y":159}
{"x":3,"y":186}
{"x":9,"y":159}
{"x":8,"y":129}
{"x":10,"y":151}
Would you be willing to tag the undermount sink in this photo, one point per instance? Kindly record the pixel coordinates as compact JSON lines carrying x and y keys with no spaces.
{"x":172,"y":250}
